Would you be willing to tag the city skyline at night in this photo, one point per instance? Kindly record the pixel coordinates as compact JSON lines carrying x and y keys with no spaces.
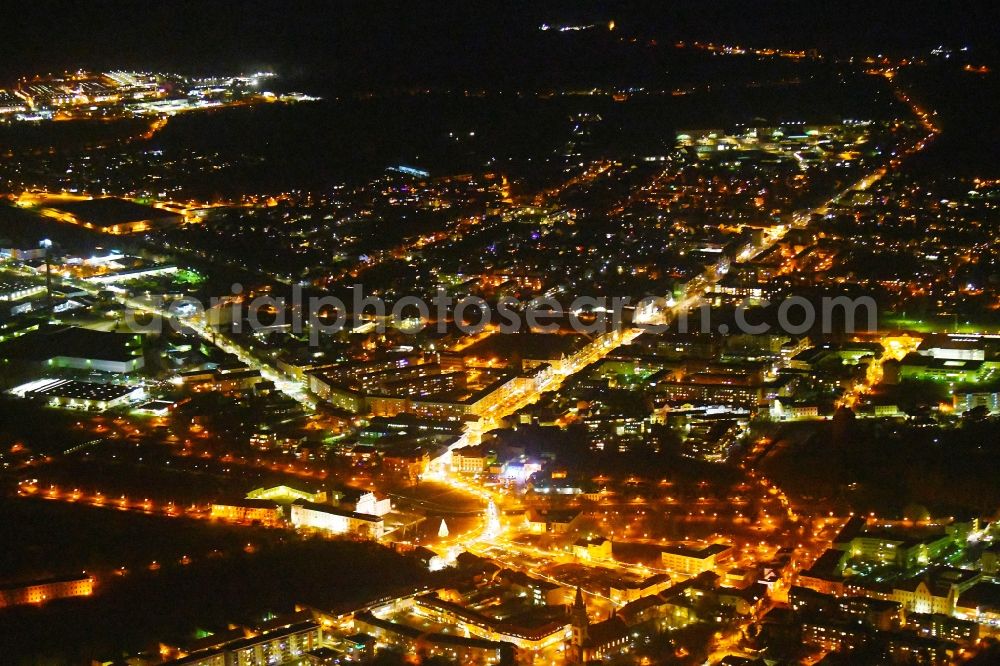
{"x":612,"y":333}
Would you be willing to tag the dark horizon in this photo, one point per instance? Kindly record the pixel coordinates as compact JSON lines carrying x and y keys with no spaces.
{"x":354,"y":39}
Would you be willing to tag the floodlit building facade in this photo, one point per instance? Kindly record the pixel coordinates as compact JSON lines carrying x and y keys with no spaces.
{"x":327,"y":518}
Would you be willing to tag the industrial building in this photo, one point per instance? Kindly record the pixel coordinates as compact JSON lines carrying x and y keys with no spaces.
{"x":78,"y":348}
{"x":89,"y":396}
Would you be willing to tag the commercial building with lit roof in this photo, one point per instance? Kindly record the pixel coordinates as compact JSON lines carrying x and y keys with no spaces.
{"x":86,"y":395}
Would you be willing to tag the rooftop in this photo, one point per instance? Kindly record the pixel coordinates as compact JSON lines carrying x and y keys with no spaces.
{"x":327,"y":508}
{"x":76,"y":390}
{"x":700,"y":553}
{"x":76,"y":342}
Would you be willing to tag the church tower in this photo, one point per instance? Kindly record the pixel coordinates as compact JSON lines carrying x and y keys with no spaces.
{"x":579,"y":625}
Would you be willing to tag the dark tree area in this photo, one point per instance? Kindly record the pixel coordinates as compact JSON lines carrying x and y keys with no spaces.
{"x":134,"y":613}
{"x":948,"y":470}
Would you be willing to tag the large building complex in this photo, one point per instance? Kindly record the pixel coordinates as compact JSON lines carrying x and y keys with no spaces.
{"x":423,"y":387}
{"x":111,"y":215}
{"x":41,"y":591}
{"x":328,"y":518}
{"x":692,"y":561}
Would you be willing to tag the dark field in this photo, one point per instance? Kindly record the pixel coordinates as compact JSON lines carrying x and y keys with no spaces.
{"x":886,"y":467}
{"x":222,"y":583}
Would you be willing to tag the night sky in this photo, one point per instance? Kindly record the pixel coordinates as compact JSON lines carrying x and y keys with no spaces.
{"x":366,"y":40}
